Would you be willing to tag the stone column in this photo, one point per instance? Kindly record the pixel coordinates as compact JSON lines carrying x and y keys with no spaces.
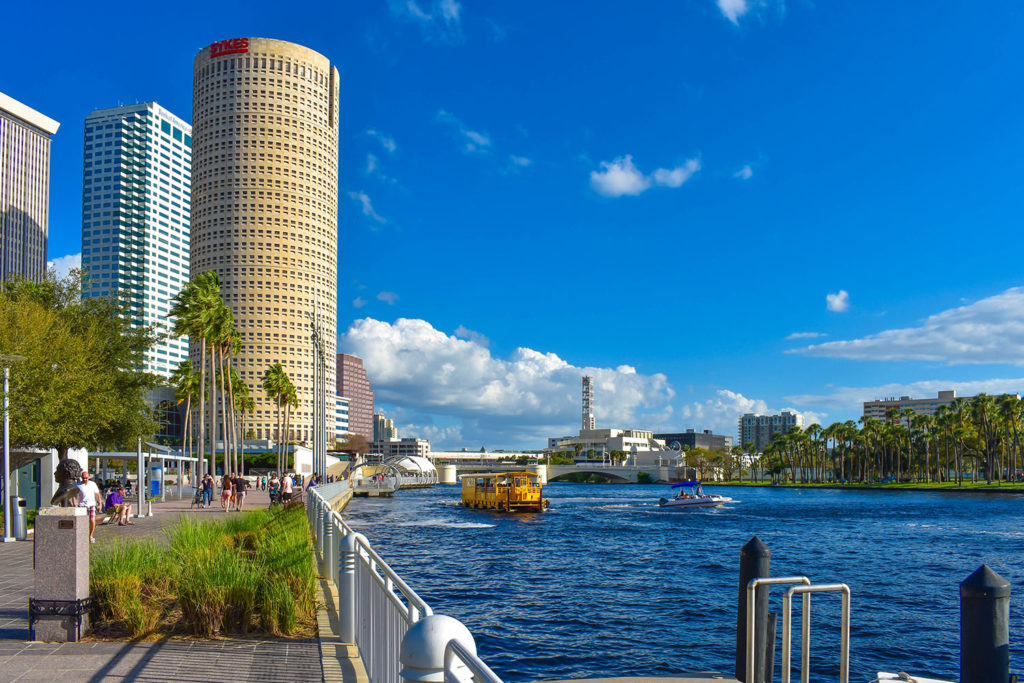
{"x":61,"y":563}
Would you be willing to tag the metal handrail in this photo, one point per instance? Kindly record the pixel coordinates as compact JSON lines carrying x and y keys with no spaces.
{"x":468,"y":658}
{"x":752,"y":609}
{"x":805,"y":635}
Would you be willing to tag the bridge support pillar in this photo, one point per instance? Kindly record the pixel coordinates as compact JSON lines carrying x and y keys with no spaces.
{"x":542,"y":472}
{"x":447,"y":474}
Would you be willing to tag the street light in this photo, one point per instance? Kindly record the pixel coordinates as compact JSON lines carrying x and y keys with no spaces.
{"x":7,"y":359}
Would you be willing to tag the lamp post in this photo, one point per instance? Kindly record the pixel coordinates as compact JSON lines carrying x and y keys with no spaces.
{"x":7,"y":360}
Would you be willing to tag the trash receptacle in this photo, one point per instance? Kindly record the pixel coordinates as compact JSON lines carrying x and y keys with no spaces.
{"x":19,"y":523}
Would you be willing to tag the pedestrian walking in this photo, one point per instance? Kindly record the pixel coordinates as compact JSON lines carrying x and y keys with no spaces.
{"x":241,"y":483}
{"x":207,"y":490}
{"x":225,"y":491}
{"x":273,"y":487}
{"x":89,"y":498}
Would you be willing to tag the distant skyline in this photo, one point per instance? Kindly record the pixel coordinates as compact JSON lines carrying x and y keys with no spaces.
{"x":711,"y":206}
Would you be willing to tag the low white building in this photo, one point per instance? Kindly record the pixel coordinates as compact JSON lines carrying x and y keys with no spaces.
{"x":388,"y":448}
{"x":607,"y":440}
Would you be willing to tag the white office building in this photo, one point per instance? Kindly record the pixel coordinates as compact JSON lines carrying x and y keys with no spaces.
{"x":136,"y":214}
{"x":340,"y":418}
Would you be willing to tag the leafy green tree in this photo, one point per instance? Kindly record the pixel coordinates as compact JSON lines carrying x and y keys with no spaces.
{"x":81,"y":385}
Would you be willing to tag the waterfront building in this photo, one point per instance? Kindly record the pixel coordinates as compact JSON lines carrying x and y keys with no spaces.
{"x":878,"y":408}
{"x":24,"y":189}
{"x":340,"y":418}
{"x":136,"y":214}
{"x":353,"y":383}
{"x":607,"y":440}
{"x":694,"y":439}
{"x":758,"y":429}
{"x":383,"y":428}
{"x":265,"y":209}
{"x":408,"y":446}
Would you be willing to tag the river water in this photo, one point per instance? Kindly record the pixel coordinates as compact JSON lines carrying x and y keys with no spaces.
{"x":608,"y":584}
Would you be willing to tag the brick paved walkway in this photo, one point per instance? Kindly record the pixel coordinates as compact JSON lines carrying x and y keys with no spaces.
{"x":182,"y":661}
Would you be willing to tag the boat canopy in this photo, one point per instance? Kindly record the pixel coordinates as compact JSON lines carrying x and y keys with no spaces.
{"x":685,"y":483}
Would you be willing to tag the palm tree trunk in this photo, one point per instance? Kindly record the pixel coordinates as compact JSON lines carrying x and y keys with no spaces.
{"x":223,"y":408}
{"x":202,"y":404}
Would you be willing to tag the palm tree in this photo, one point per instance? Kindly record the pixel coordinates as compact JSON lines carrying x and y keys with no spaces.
{"x":274,"y":383}
{"x":186,"y":389}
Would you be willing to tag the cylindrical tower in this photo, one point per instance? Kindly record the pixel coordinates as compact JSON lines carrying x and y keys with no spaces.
{"x":265,"y":209}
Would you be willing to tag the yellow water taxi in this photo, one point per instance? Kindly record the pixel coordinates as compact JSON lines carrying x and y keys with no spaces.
{"x":506,"y":491}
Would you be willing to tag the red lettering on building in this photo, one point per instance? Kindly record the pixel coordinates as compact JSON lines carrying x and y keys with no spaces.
{"x":229,"y":47}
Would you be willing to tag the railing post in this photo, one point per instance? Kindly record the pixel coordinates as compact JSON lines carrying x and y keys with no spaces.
{"x":325,"y":537}
{"x":422,"y":652}
{"x":347,"y":587}
{"x":755,"y":563}
{"x":984,"y":627}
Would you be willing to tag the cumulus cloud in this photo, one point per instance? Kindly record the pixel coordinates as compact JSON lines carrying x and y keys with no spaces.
{"x":358,"y":302}
{"x":517,"y":162}
{"x":522,"y":398}
{"x":987,"y":331}
{"x":733,"y":9}
{"x":388,"y":143}
{"x":62,"y":265}
{"x":745,"y":173}
{"x":470,"y":141}
{"x":852,"y":398}
{"x":441,"y":22}
{"x":806,"y":335}
{"x":463,"y":332}
{"x":387,"y":297}
{"x":367,"y":205}
{"x":621,"y":177}
{"x":838,"y":302}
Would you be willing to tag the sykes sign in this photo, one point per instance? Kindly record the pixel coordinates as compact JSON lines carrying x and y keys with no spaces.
{"x":229,"y":47}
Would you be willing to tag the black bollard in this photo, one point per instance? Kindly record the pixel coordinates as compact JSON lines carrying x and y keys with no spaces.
{"x":755,"y":563}
{"x":984,"y":627}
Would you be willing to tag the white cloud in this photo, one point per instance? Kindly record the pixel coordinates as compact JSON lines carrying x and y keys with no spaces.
{"x":987,"y":331}
{"x":745,"y":173}
{"x":373,"y":169}
{"x":388,"y":143}
{"x":367,"y":205}
{"x":62,"y":265}
{"x":733,"y":9}
{"x":471,"y":141}
{"x":838,"y":302}
{"x":463,"y":332}
{"x":442,"y":22}
{"x":371,"y":164}
{"x":358,"y":302}
{"x":677,"y":176}
{"x":852,"y":398}
{"x":524,"y":398}
{"x":806,"y":335}
{"x":388,"y":297}
{"x":621,"y":177}
{"x":517,"y":161}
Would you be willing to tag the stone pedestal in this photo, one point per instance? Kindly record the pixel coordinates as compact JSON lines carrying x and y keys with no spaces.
{"x":61,"y":564}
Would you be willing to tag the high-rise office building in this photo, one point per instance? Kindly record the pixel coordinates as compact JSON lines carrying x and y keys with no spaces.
{"x":383,"y":428}
{"x":136,"y":210}
{"x":265,"y":209}
{"x":24,"y":189}
{"x":354,"y":385}
{"x":759,"y":429}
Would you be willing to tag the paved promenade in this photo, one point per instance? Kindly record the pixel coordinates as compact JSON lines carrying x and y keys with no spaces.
{"x":183,"y":661}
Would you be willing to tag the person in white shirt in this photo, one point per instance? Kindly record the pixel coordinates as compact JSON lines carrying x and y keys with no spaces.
{"x":286,"y":489}
{"x":89,"y":497}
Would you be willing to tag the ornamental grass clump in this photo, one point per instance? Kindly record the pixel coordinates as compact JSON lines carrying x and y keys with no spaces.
{"x":132,"y":584}
{"x":220,"y":577}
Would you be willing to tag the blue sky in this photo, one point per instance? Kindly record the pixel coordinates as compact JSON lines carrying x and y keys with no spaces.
{"x":662,"y":194}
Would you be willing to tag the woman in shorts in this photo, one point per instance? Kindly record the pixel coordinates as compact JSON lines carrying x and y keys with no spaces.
{"x":226,"y":489}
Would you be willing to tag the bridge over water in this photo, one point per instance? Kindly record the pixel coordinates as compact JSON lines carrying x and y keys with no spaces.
{"x":448,"y":473}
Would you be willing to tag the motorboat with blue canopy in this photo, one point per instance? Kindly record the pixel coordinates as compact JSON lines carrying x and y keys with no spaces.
{"x":690,"y":494}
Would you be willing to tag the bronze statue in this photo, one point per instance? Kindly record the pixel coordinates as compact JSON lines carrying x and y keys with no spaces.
{"x":67,"y":476}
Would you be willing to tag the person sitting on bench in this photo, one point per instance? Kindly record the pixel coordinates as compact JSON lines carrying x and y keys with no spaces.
{"x":117,"y":508}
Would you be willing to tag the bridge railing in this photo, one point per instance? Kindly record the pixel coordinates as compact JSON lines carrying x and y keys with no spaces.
{"x":396,"y":632}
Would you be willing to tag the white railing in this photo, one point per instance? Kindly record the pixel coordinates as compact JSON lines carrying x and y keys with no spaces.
{"x":397,"y":634}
